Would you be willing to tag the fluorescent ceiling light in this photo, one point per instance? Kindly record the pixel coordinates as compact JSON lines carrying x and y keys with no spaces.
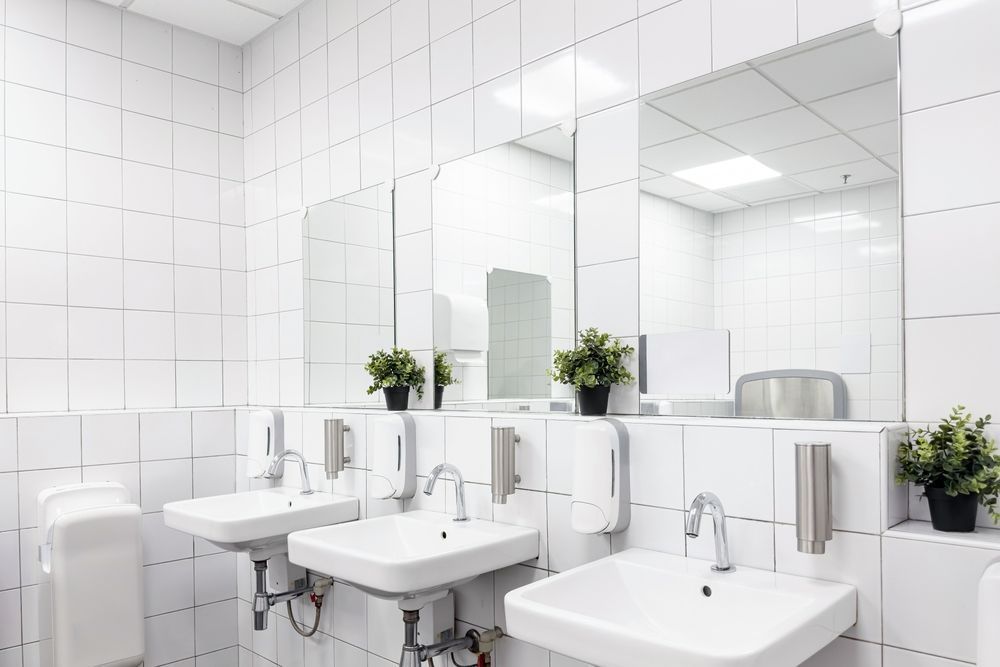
{"x":726,"y":174}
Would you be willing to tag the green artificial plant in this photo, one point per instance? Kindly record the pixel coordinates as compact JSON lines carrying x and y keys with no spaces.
{"x":443,"y":372}
{"x":396,"y":368}
{"x":596,"y":361}
{"x":957,"y":456}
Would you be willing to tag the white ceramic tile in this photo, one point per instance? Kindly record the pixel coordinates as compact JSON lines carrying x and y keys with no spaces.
{"x":164,"y":481}
{"x":93,"y":127}
{"x":35,"y":61}
{"x":656,"y":465}
{"x":30,"y":483}
{"x":164,"y":435}
{"x":168,"y":586}
{"x":96,"y":384}
{"x":941,"y":52}
{"x":170,"y":637}
{"x":448,"y":15}
{"x":496,"y":43}
{"x":745,"y":483}
{"x":850,"y":558}
{"x":37,"y":332}
{"x":146,"y":90}
{"x":607,"y":147}
{"x":93,"y":76}
{"x":93,"y":179}
{"x":498,"y":111}
{"x":894,"y":657}
{"x":605,"y":303}
{"x":607,"y":69}
{"x":48,"y":442}
{"x":451,"y":129}
{"x":652,"y":528}
{"x":9,"y":519}
{"x":595,"y":208}
{"x":37,"y":385}
{"x":410,"y":29}
{"x":971,"y":139}
{"x":546,"y":26}
{"x":548,"y":91}
{"x":374,"y":43}
{"x":35,"y":115}
{"x":112,"y":438}
{"x":411,"y":83}
{"x":41,"y":169}
{"x":675,"y":45}
{"x":528,"y":508}
{"x":375,"y":93}
{"x":742,"y":30}
{"x":594,"y":16}
{"x":149,"y":384}
{"x":953,"y":588}
{"x":8,"y":445}
{"x":146,"y":41}
{"x":844,"y":651}
{"x":467,"y":447}
{"x":567,"y":548}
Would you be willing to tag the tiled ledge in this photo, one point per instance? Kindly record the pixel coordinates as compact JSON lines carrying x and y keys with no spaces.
{"x":982,"y":538}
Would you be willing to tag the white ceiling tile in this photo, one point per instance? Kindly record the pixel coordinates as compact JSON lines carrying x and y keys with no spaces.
{"x":734,"y":98}
{"x":656,"y":127}
{"x":892,"y":159}
{"x":776,"y":188}
{"x":860,"y":108}
{"x":669,"y":187}
{"x":775,"y":130}
{"x":709,"y":201}
{"x":217,"y":18}
{"x":832,"y":178}
{"x":645,"y":173}
{"x":851,"y":63}
{"x":551,"y":142}
{"x":825,"y":152}
{"x":275,"y":7}
{"x":685,"y":153}
{"x":879,"y":139}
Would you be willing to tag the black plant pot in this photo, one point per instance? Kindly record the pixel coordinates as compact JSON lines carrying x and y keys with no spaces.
{"x":594,"y":400}
{"x":952,"y":514}
{"x":396,"y":398}
{"x":438,"y":396}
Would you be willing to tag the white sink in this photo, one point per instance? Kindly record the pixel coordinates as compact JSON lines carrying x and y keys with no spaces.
{"x":643,"y":607}
{"x":413,"y":557}
{"x":257,"y":521}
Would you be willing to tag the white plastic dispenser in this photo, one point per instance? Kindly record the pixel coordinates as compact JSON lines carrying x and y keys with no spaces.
{"x":90,"y":606}
{"x":988,"y":654}
{"x":462,"y":326}
{"x":265,"y":439}
{"x":600,"y":501}
{"x":393,"y":457}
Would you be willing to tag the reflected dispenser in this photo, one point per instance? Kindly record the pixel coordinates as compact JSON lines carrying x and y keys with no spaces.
{"x":462,"y":326}
{"x":601,"y":495}
{"x":813,"y":496}
{"x":392,"y":449}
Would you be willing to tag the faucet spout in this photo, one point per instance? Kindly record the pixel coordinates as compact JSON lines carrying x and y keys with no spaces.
{"x":272,"y":468}
{"x":456,"y":475}
{"x":710,"y":501}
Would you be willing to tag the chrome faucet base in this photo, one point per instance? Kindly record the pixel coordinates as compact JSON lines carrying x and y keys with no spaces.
{"x":456,"y":475}
{"x":272,"y":469}
{"x":710,"y":501}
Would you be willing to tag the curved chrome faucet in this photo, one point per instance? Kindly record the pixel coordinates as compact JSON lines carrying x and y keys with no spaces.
{"x":709,"y":500}
{"x":456,"y":475}
{"x":272,"y":468}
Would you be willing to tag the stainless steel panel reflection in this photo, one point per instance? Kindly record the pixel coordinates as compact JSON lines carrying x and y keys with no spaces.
{"x":791,"y":395}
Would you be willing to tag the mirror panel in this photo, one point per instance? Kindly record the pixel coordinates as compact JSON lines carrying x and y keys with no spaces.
{"x":503,"y":245}
{"x":769,"y":210}
{"x":348,"y":301}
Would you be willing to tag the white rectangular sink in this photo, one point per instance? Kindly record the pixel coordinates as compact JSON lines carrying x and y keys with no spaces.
{"x":257,"y":521}
{"x":643,"y":607}
{"x":411,"y":555}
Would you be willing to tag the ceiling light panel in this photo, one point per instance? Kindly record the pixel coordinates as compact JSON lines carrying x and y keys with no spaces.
{"x":728,"y":173}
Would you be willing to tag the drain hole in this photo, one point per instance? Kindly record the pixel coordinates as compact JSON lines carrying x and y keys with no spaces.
{"x":706,"y":591}
{"x":444,"y":535}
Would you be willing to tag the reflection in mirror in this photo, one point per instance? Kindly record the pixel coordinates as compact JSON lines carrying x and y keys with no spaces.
{"x":769,"y":231}
{"x":347,"y":293}
{"x":503,"y":272}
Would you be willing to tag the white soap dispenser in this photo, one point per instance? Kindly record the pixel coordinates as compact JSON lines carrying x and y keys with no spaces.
{"x":600,"y":500}
{"x":265,"y":440}
{"x":392,"y":446}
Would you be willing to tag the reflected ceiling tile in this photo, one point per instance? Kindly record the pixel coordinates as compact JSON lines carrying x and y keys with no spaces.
{"x":879,"y":139}
{"x":669,"y":187}
{"x":645,"y":173}
{"x":656,"y":127}
{"x":861,"y":108}
{"x":776,"y":130}
{"x":551,"y":142}
{"x":892,"y":159}
{"x":861,"y":173}
{"x":734,"y":98}
{"x":218,"y":18}
{"x":709,"y":201}
{"x":755,"y":193}
{"x":685,"y":153}
{"x":845,"y":65}
{"x":276,"y":7}
{"x":812,"y":155}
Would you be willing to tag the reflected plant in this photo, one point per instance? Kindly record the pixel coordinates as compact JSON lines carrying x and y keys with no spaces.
{"x":443,"y":371}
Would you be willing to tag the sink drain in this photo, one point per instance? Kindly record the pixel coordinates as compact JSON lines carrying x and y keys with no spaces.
{"x":706,"y":591}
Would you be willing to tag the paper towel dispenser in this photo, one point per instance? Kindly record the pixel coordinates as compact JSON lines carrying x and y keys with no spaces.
{"x":462,"y":326}
{"x":601,"y":498}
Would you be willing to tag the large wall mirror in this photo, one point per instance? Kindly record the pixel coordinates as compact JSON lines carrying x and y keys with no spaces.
{"x":503,"y":241}
{"x":348,"y":300}
{"x":770,"y":235}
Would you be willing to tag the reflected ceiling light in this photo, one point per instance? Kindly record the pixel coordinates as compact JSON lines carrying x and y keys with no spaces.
{"x":727,"y":173}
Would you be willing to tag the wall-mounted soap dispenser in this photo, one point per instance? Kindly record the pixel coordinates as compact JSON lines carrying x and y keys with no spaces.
{"x":392,"y":452}
{"x":503,"y":441}
{"x":334,"y":453}
{"x":265,"y":440}
{"x":813,"y":496}
{"x":600,"y":501}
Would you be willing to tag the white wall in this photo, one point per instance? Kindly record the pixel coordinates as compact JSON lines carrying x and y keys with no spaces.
{"x":124,"y":245}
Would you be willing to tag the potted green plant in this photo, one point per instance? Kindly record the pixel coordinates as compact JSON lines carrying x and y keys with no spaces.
{"x":443,"y":377}
{"x":395,"y":372}
{"x":596,"y":363}
{"x":958,"y":465}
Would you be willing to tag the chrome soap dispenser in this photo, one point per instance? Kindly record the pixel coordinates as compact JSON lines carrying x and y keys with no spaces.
{"x":813,"y":496}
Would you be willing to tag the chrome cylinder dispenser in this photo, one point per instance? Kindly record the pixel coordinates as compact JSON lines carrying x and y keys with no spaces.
{"x":504,"y":479}
{"x":333,"y":447}
{"x":813,"y":496}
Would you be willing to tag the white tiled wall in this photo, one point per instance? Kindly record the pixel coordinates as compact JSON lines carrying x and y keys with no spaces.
{"x":520,"y":347}
{"x":190,"y":586}
{"x":124,"y":245}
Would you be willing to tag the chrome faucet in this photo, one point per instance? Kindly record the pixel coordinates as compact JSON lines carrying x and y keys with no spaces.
{"x":272,"y":468}
{"x":456,"y":475}
{"x":711,"y":501}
